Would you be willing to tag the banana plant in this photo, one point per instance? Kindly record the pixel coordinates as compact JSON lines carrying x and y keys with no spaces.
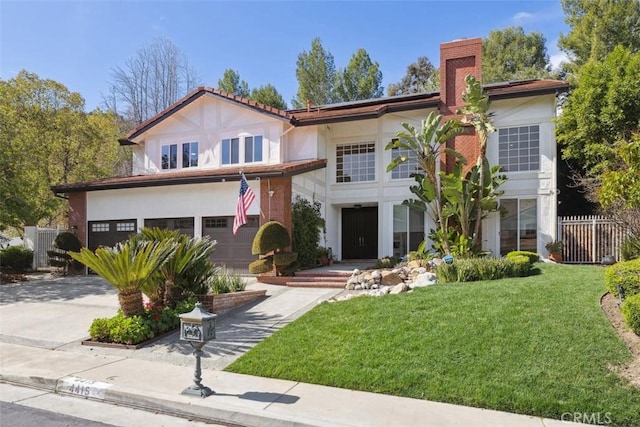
{"x":426,"y":143}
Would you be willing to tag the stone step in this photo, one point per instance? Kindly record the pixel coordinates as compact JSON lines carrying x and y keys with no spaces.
{"x":340,"y":279}
{"x":308,"y":273}
{"x":315,"y":284}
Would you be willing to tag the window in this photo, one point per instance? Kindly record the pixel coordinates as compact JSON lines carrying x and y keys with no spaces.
{"x":184,"y":225}
{"x":253,"y":149}
{"x":518,"y":225}
{"x":356,"y":162}
{"x":170,"y":156}
{"x":408,"y":229}
{"x":404,"y":170}
{"x":250,"y":150}
{"x":189,"y":154}
{"x":519,"y":148}
{"x":230,"y":151}
{"x":126,"y":226}
{"x":220,"y":222}
{"x":102,"y":227}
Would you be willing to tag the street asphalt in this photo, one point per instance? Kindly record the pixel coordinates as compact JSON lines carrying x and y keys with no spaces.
{"x":44,"y":320}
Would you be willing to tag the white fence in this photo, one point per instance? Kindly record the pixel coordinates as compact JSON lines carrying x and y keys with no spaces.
{"x":41,"y":240}
{"x":589,"y":238}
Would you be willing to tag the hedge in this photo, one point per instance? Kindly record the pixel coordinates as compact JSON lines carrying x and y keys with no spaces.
{"x":626,"y":274}
{"x":631,"y":312}
{"x":474,"y":269}
{"x":533,"y":257}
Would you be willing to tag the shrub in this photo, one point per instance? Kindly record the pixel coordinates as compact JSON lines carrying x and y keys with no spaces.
{"x":474,"y":269}
{"x":270,"y":240}
{"x":307,"y":223}
{"x":533,"y":257}
{"x":185,"y":306}
{"x":100,"y":329}
{"x":16,"y":258}
{"x":59,"y":257}
{"x":226,"y":282}
{"x":626,"y":274}
{"x":129,"y":330}
{"x":630,"y":248}
{"x":631,"y":312}
{"x":387,"y":262}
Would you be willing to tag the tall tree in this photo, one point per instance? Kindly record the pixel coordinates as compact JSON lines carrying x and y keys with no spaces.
{"x":596,"y":27}
{"x":510,"y":54}
{"x":602,"y":111}
{"x":156,"y":77}
{"x":421,"y":76}
{"x":231,"y":83}
{"x":315,"y":71}
{"x":48,"y":139}
{"x":268,"y":95}
{"x":361,"y":79}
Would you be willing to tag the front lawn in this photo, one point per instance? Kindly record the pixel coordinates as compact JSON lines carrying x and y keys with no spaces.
{"x":539,"y":345}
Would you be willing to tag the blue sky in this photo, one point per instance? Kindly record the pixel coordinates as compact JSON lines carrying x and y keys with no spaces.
{"x":78,"y":43}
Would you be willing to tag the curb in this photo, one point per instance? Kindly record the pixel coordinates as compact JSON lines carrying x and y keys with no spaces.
{"x":233,"y":417}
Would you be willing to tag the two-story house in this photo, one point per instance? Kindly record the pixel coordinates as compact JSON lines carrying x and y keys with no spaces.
{"x":188,"y":160}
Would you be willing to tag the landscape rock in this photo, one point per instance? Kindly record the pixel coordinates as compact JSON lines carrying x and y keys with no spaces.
{"x":391,"y":279}
{"x":399,"y":288}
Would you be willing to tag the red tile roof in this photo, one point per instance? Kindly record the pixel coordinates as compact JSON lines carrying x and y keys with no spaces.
{"x":194,"y":177}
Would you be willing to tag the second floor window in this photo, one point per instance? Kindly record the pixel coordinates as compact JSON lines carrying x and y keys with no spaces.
{"x":170,"y":156}
{"x":356,"y":162}
{"x":404,"y":170}
{"x":519,"y":148}
{"x":190,"y":154}
{"x":248,"y":148}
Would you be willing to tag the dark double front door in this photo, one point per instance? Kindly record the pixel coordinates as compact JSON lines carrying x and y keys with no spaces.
{"x":360,"y":233}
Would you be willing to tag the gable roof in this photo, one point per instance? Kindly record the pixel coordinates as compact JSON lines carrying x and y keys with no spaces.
{"x":350,"y":111}
{"x":194,"y":95}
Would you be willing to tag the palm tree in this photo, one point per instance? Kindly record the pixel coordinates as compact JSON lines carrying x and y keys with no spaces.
{"x":476,"y":113}
{"x":187,"y":255}
{"x":127,"y":266}
{"x":426,"y":144}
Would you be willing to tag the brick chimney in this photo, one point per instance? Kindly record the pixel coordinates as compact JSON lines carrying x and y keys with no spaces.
{"x":458,"y":59}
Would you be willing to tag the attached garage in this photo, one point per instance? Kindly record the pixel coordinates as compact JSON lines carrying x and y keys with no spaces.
{"x":232,"y":251}
{"x":108,"y":233}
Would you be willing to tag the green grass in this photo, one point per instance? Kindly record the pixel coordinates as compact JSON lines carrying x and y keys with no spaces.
{"x":538,"y":345}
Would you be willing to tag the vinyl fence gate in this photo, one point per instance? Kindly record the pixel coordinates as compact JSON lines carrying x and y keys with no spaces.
{"x":587,"y":239}
{"x":42,"y":239}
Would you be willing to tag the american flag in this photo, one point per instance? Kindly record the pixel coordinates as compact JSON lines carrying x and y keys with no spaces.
{"x":245,"y":199}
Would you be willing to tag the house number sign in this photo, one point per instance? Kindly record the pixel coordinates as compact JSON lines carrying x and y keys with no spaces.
{"x":82,"y":387}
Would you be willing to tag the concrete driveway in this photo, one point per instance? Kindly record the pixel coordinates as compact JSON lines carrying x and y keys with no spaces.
{"x":55,"y":313}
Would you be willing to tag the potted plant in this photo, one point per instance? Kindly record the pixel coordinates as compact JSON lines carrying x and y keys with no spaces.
{"x":323,"y":256}
{"x":555,"y":250}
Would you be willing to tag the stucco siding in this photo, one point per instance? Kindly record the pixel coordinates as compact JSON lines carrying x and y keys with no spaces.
{"x":193,"y":200}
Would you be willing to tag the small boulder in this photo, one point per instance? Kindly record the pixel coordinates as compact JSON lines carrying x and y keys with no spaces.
{"x":399,"y":288}
{"x":391,"y":279}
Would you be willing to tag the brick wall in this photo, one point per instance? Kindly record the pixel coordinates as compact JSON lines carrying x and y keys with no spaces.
{"x":224,"y":302}
{"x":78,"y":215}
{"x":457,"y":60}
{"x":278,"y":206}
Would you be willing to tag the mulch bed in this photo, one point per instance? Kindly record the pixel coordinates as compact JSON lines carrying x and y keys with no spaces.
{"x":631,"y":370}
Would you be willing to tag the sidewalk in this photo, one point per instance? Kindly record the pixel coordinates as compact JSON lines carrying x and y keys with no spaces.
{"x":153,"y":378}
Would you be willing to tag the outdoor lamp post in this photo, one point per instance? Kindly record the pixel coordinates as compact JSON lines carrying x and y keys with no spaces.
{"x":198,"y":326}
